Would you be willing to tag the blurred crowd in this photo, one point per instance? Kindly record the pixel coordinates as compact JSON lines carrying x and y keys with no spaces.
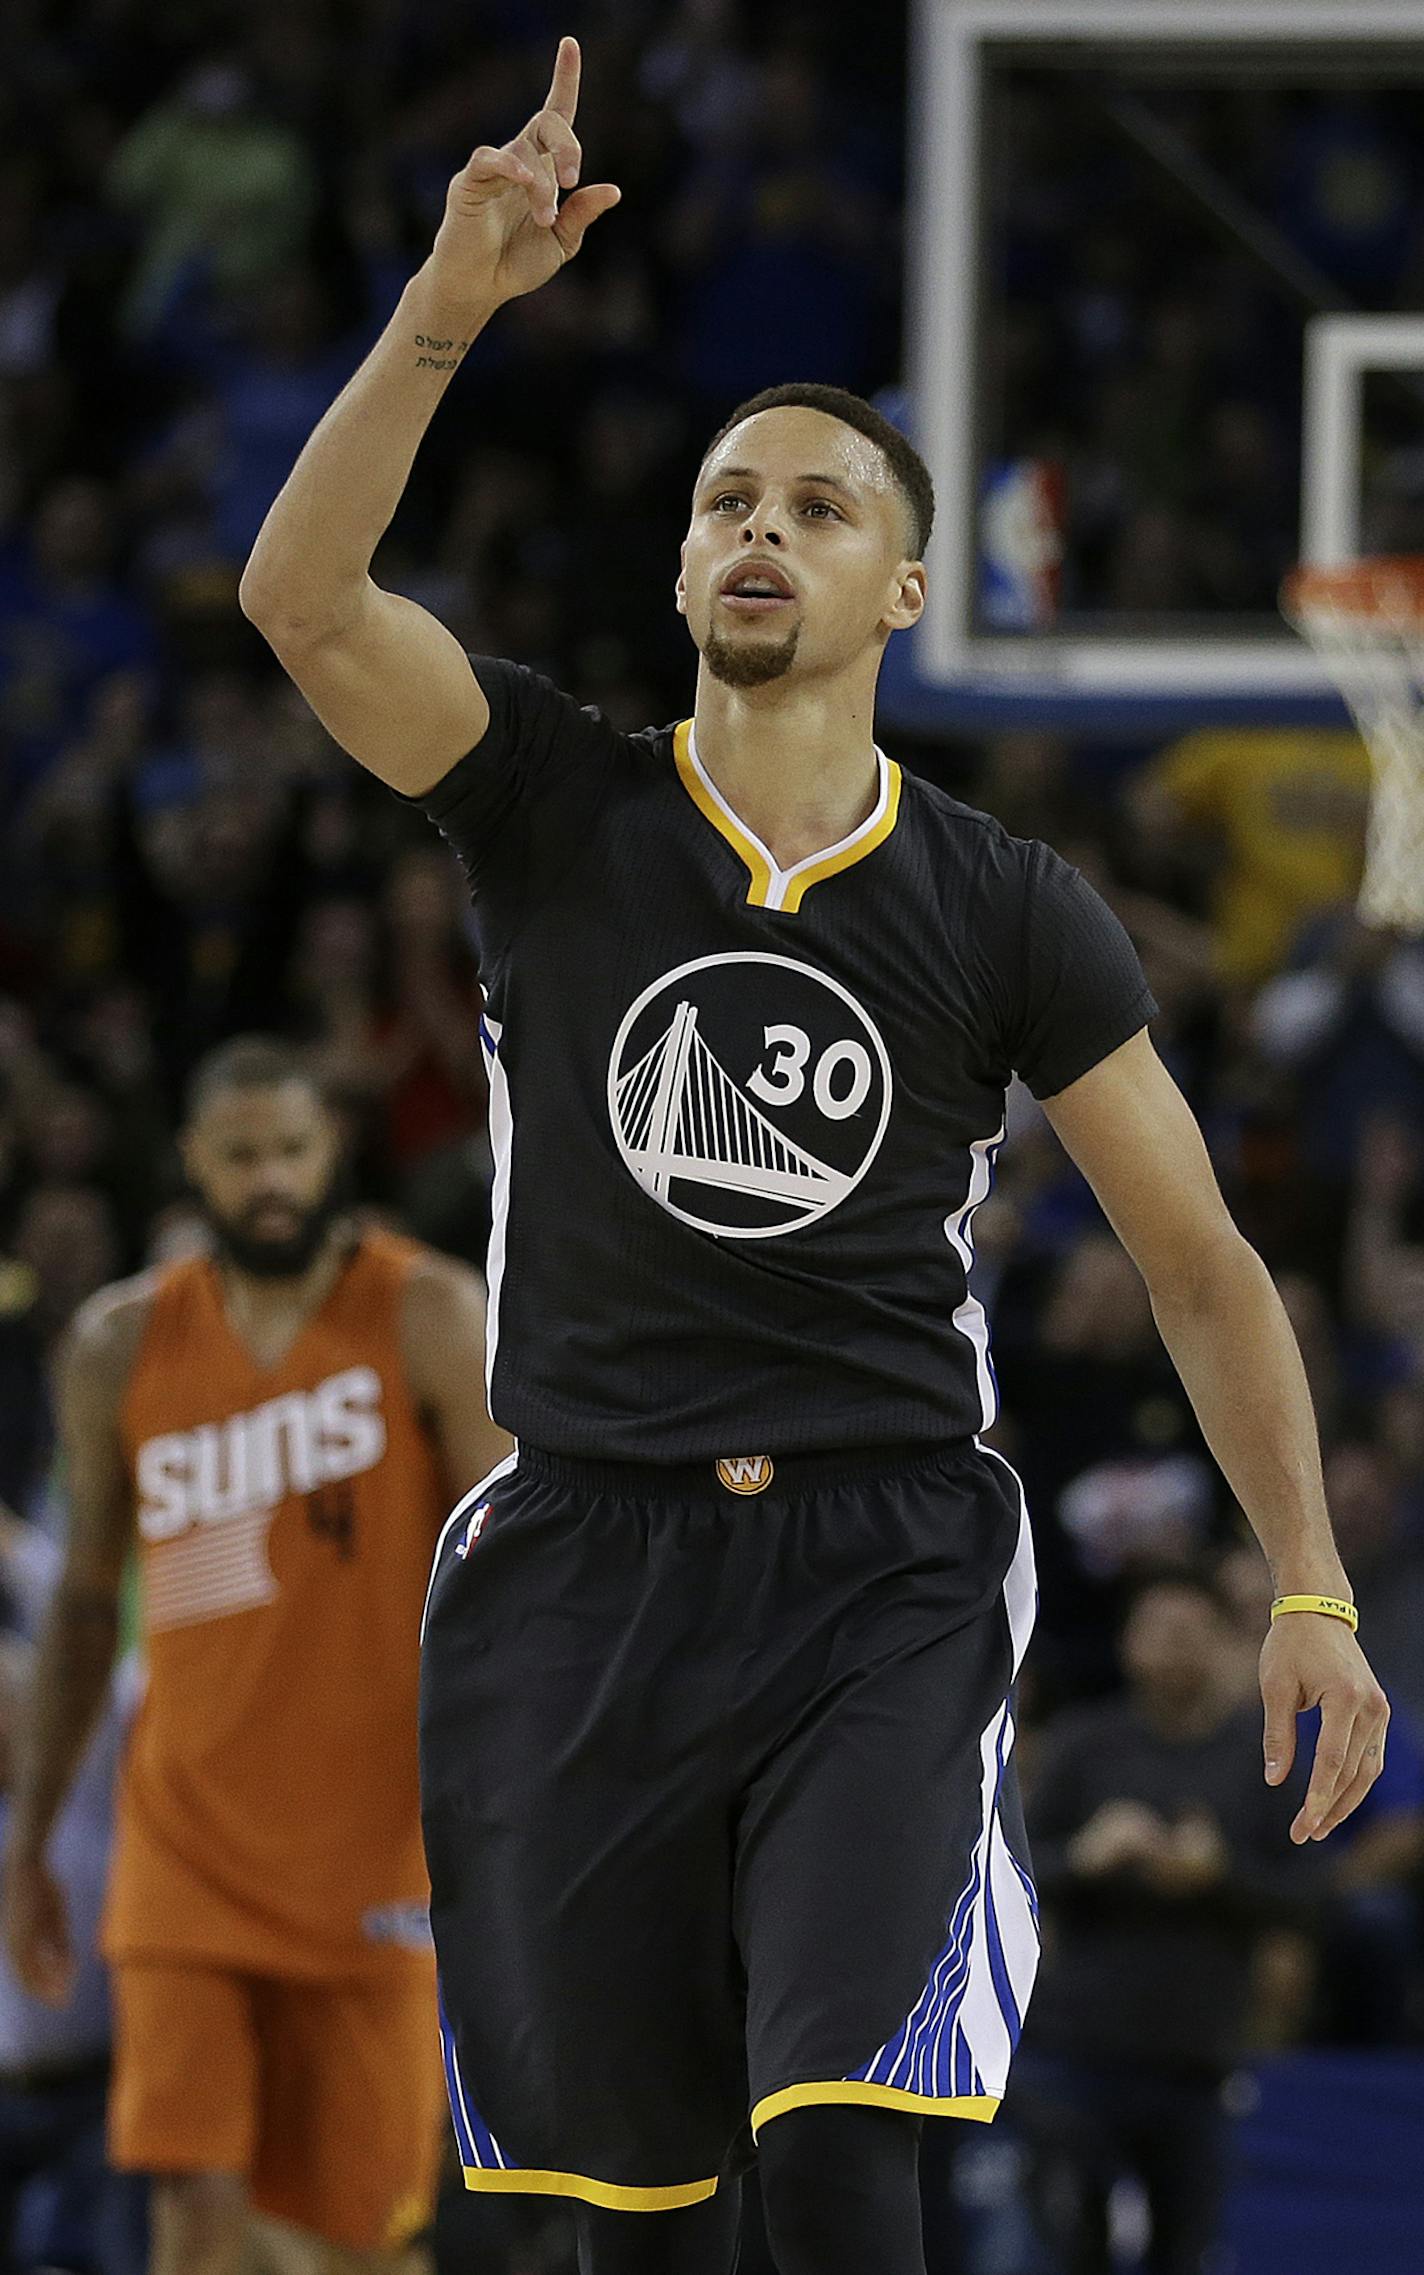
{"x":204,"y":218}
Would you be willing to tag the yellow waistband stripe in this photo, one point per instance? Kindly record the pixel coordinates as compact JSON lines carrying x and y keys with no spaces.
{"x":501,"y":2182}
{"x":981,"y":2107}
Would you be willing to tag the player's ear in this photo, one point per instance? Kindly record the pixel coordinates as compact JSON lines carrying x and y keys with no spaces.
{"x":908,"y":605}
{"x":681,"y":586}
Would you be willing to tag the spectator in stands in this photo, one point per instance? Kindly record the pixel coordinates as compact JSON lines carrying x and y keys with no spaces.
{"x":66,"y":1236}
{"x":29,"y":276}
{"x":1160,"y":1854}
{"x":290,"y":359}
{"x":24,"y":1392}
{"x":67,"y":623}
{"x":67,"y":840}
{"x":1372,"y":1923}
{"x":696,"y":67}
{"x":427,"y":1063}
{"x":1349,"y":195}
{"x":1369,"y":1510}
{"x":622,"y":528}
{"x":214,"y":182}
{"x":390,"y":1003}
{"x":1275,"y":820}
{"x":1103,"y":1435}
{"x":1385,"y":1283}
{"x":1401,"y":1433}
{"x":776,"y":242}
{"x":1346,"y":1024}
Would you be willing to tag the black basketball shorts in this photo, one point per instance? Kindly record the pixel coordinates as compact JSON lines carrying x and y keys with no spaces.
{"x":720,"y":1808}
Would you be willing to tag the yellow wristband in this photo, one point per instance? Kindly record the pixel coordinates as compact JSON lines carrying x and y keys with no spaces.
{"x":1333,"y":1607}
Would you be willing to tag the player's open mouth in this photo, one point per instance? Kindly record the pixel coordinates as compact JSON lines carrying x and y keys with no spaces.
{"x":756,"y":604}
{"x":750,"y":591}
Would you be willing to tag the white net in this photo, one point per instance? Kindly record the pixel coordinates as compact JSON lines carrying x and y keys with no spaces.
{"x":1366,"y":623}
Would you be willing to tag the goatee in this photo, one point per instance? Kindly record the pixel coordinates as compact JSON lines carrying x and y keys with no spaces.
{"x":750,"y":663}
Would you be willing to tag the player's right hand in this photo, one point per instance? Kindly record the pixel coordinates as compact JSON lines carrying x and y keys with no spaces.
{"x":36,"y":1923}
{"x":505,"y":231}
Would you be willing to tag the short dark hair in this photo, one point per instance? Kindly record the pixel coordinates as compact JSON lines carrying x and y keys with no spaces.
{"x":250,"y":1062}
{"x":909,"y":469}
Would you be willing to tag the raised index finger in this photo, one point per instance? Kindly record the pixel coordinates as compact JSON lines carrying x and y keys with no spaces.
{"x":564,"y":86}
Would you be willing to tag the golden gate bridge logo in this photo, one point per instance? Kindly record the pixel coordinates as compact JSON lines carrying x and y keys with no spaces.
{"x":683,"y":1116}
{"x":696,"y":1138}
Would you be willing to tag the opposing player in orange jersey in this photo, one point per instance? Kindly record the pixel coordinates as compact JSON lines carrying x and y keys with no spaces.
{"x":281,"y":1426}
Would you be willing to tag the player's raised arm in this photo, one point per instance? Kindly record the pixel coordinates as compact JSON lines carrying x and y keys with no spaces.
{"x":76,"y":1653}
{"x":1133,"y":1136}
{"x":384,"y":676}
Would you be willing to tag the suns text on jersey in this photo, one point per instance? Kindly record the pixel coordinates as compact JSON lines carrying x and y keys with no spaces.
{"x":251,"y":1461}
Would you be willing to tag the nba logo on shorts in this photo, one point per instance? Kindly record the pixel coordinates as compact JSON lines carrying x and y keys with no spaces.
{"x":472,"y":1530}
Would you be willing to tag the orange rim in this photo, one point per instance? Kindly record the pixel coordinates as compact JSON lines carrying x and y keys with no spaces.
{"x":1386,"y":589}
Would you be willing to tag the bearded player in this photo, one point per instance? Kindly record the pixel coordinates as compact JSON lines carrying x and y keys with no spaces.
{"x":717,"y":1733}
{"x":279,"y":1427}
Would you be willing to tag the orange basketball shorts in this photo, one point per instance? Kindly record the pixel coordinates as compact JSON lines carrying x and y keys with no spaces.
{"x":326,"y":2097}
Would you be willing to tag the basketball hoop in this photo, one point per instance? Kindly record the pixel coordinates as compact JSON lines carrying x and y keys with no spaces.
{"x":1365,"y":621}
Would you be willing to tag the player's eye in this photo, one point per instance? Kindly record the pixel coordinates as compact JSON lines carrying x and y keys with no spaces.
{"x":728,"y":498}
{"x":822,"y":506}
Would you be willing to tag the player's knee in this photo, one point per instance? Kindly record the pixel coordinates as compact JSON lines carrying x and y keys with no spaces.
{"x":699,"y":2239}
{"x":199,"y":2223}
{"x":840,"y":2192}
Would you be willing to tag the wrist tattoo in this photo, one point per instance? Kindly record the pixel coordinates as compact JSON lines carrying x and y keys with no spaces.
{"x":439,"y":355}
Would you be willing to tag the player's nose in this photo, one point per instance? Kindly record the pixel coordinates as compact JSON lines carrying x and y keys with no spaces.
{"x":763,"y":530}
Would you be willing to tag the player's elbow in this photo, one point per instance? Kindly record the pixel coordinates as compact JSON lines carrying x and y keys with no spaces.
{"x":279,"y":615}
{"x":292,"y":614}
{"x":290,"y":599}
{"x":1203,"y":1272}
{"x":263,"y":604}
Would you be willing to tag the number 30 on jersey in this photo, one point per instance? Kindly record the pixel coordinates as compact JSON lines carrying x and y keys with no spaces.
{"x":748,"y":1093}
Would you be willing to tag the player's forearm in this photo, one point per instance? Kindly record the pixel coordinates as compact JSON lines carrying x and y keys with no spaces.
{"x":71,"y":1681}
{"x":308,"y":570}
{"x":1232,"y":1344}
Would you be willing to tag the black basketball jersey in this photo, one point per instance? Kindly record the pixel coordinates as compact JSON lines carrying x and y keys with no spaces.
{"x":742,"y":1117}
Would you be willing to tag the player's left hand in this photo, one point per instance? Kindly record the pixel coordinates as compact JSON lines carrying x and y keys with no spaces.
{"x":1309,"y":1659}
{"x":36,"y":1929}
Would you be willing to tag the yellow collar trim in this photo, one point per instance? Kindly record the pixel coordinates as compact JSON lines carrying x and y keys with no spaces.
{"x":769,"y":886}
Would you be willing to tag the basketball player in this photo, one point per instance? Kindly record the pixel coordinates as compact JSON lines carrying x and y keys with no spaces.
{"x":281,"y":1427}
{"x":716,"y":1732}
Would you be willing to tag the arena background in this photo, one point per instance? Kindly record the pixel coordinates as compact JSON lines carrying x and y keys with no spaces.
{"x":1079,"y":251}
